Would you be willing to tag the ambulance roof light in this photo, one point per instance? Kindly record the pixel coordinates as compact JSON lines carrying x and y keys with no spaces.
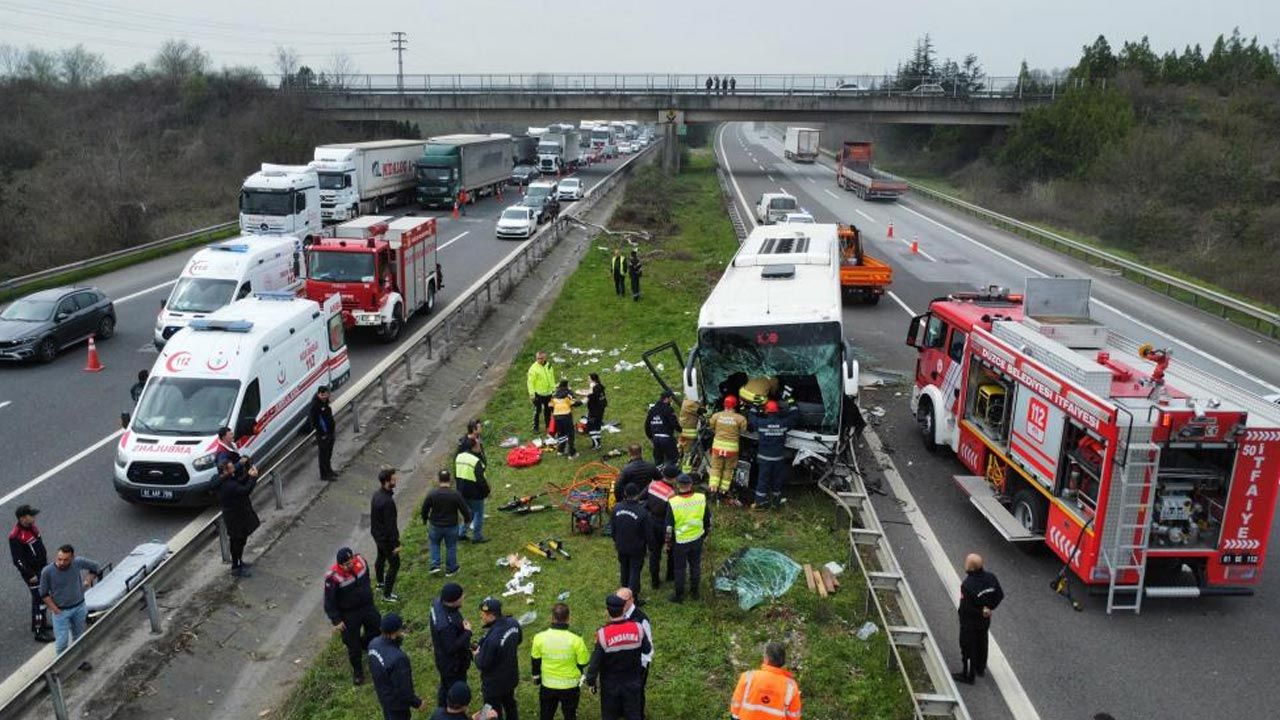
{"x":240,"y":326}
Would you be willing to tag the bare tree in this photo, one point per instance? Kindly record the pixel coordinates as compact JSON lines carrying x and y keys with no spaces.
{"x":179,"y":59}
{"x":286,"y":61}
{"x":11,"y":60}
{"x":40,"y":67}
{"x":81,"y":68}
{"x":341,"y":70}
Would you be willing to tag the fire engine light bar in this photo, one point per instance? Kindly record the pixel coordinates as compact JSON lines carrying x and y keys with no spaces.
{"x":242,"y":326}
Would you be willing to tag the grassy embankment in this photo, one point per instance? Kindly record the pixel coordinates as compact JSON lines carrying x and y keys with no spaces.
{"x":701,"y":647}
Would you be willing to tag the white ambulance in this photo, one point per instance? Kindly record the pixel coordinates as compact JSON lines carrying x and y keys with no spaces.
{"x":228,"y":271}
{"x":253,"y":366}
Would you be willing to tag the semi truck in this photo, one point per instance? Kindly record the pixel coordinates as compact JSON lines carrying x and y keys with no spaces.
{"x":601,"y":136}
{"x":558,"y":149}
{"x":862,"y":276}
{"x":281,"y":200}
{"x":855,"y":172}
{"x":801,"y":144}
{"x":479,"y":164}
{"x":363,"y":177}
{"x":1147,"y":477}
{"x":524,"y":150}
{"x":385,"y":269}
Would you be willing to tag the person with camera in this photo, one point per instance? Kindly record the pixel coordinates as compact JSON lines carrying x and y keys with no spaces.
{"x":236,"y":481}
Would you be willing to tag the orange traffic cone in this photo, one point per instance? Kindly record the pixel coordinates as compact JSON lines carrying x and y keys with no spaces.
{"x":455,"y":209}
{"x":915,"y":245}
{"x":94,"y":364}
{"x":890,"y":230}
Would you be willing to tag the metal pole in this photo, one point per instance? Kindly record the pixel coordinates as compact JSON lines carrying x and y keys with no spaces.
{"x":382,"y":383}
{"x":153,"y":608}
{"x":224,"y":543}
{"x":408,"y":366}
{"x":355,"y":414}
{"x":53,"y":682}
{"x":277,"y":489}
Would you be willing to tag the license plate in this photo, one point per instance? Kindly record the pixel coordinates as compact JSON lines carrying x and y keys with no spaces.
{"x":368,"y":320}
{"x":157,"y":494}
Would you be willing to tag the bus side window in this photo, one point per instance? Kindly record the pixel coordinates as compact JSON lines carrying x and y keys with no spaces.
{"x":935,"y":334}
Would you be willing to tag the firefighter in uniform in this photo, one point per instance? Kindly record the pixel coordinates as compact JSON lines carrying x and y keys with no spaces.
{"x":757,"y":390}
{"x":348,"y":601}
{"x":727,"y":427}
{"x":29,"y":556}
{"x":980,"y":594}
{"x":690,"y":416}
{"x":768,"y":693}
{"x":660,"y":425}
{"x":688,"y":521}
{"x":655,"y":501}
{"x":616,"y":671}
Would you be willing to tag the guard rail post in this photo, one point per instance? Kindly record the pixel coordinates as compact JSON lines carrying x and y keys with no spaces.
{"x":153,"y":608}
{"x":224,"y":542}
{"x":277,"y":489}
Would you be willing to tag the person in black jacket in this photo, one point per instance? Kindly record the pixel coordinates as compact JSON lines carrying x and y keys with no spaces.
{"x":474,"y":429}
{"x":596,"y":403}
{"x":635,"y":271}
{"x":348,"y":602}
{"x":980,"y":594}
{"x":638,"y":471}
{"x":655,"y":501}
{"x":29,"y":555}
{"x":498,"y":659}
{"x":631,"y":538}
{"x":444,"y":511}
{"x":235,"y":495}
{"x":322,"y":424}
{"x":450,"y":639}
{"x":661,"y":426}
{"x":392,"y":672}
{"x":385,"y":527}
{"x":616,"y":670}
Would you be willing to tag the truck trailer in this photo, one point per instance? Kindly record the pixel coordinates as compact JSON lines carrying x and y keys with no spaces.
{"x":854,"y":172}
{"x":801,"y":144}
{"x":364,"y":177}
{"x":479,"y":164}
{"x":524,"y":150}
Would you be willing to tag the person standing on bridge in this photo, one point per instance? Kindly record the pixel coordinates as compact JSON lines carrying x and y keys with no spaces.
{"x":26,"y":547}
{"x":733,"y":86}
{"x":618,"y":267}
{"x":708,"y":84}
{"x":717,"y":84}
{"x":980,"y":594}
{"x":321,"y":415}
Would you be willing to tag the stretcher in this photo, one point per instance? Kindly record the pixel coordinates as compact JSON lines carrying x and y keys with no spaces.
{"x":118,"y":580}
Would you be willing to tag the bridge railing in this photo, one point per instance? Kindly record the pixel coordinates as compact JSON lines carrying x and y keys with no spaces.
{"x":1010,"y":87}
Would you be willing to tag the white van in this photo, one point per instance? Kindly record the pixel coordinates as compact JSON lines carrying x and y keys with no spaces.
{"x":772,"y":207}
{"x":228,"y":271}
{"x":253,"y":366}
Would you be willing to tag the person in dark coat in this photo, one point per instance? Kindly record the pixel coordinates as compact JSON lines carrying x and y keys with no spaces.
{"x":235,"y":495}
{"x":635,"y":271}
{"x":662,"y":426}
{"x":616,"y":670}
{"x":450,"y":639}
{"x":321,"y":416}
{"x":225,"y":449}
{"x":631,"y":524}
{"x":457,"y":706}
{"x":618,"y":269}
{"x":27,"y":550}
{"x":771,"y":451}
{"x":391,"y":671}
{"x":717,"y":84}
{"x":980,"y":594}
{"x":708,"y":84}
{"x":497,"y":657}
{"x":384,"y":526}
{"x":638,"y":471}
{"x":733,"y":86}
{"x":348,"y":603}
{"x":656,"y":497}
{"x":597,"y":401}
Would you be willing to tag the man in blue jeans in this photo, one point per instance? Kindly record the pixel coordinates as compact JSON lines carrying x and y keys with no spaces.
{"x":443,"y":512}
{"x":468,"y":468}
{"x":62,"y":587}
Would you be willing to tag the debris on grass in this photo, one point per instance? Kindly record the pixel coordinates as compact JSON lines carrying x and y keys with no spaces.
{"x":867,"y":630}
{"x":756,"y":575}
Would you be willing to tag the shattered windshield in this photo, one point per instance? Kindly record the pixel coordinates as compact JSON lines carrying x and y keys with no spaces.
{"x":804,"y":357}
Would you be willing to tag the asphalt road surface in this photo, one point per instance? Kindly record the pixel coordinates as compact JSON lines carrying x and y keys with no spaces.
{"x":58,"y":424}
{"x":1202,"y":658}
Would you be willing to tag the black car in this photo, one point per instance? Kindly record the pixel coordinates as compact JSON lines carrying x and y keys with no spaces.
{"x":524,"y":174}
{"x":42,"y":323}
{"x":547,"y":206}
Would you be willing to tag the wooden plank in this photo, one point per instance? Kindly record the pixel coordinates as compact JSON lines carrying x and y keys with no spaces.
{"x":808,"y":577}
{"x":822,"y":587}
{"x":828,"y":581}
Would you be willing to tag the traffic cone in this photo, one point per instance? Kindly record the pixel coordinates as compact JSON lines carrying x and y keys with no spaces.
{"x":94,"y":364}
{"x":890,"y":229}
{"x":455,"y":209}
{"x":915,"y":245}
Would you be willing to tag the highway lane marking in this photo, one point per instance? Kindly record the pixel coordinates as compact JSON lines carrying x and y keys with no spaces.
{"x":452,"y":240}
{"x":746,"y":209}
{"x":828,"y":191}
{"x":1144,"y":325}
{"x":771,"y":178}
{"x":60,"y":467}
{"x":866,"y":216}
{"x":6,"y":403}
{"x":815,"y":182}
{"x":140,"y":293}
{"x":894,"y":297}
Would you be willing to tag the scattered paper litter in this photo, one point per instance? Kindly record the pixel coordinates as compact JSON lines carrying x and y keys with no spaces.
{"x":834,"y":568}
{"x":867,"y":630}
{"x":877,"y":411}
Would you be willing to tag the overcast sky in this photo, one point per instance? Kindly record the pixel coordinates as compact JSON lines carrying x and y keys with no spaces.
{"x":840,"y":37}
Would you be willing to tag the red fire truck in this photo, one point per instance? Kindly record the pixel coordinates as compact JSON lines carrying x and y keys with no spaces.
{"x":1131,"y":467}
{"x":385,"y":269}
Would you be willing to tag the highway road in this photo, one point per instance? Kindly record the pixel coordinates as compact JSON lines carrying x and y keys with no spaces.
{"x":1204,"y":658}
{"x":58,"y":424}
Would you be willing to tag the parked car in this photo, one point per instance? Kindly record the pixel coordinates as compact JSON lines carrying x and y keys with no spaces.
{"x":517,"y":221}
{"x":927,"y":89}
{"x":524,"y":174}
{"x":797,"y":218}
{"x":569,"y":189}
{"x":38,"y":326}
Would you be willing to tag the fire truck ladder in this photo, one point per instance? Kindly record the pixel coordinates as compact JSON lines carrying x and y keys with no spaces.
{"x":1127,"y":532}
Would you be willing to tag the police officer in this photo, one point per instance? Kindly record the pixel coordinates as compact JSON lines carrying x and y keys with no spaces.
{"x":559,"y":656}
{"x":348,"y":601}
{"x":457,"y":704}
{"x":450,"y":639}
{"x":321,"y":418}
{"x":980,"y":594}
{"x":771,"y":452}
{"x":392,"y":672}
{"x":615,"y":670}
{"x":26,"y":547}
{"x":661,"y":426}
{"x":632,"y":612}
{"x":497,"y":657}
{"x":631,"y":537}
{"x":688,"y":521}
{"x":655,"y":501}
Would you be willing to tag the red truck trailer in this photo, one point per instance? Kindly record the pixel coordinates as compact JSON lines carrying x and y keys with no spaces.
{"x":854,"y":172}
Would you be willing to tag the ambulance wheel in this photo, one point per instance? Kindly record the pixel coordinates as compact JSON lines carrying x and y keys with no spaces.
{"x":391,"y":331}
{"x":924,"y":419}
{"x":1029,"y":510}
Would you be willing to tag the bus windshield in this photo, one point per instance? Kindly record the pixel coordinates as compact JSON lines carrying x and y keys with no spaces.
{"x":804,"y":357}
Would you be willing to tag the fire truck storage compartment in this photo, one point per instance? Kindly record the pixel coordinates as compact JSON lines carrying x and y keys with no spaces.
{"x":988,"y":405}
{"x":1192,"y":484}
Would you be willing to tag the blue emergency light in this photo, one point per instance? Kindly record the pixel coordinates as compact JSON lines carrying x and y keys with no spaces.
{"x":241,"y":326}
{"x":232,"y":247}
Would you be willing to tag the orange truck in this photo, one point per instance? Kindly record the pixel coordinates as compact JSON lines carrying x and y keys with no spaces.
{"x":861,"y":276}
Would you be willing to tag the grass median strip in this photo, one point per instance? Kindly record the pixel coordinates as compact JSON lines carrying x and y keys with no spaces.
{"x":701,"y":647}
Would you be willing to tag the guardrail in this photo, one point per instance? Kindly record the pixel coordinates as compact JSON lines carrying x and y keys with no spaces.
{"x":43,"y":673}
{"x":17,"y":284}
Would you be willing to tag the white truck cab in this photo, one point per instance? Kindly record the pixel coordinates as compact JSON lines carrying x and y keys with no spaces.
{"x":281,"y":200}
{"x":772,"y":207}
{"x":252,"y":366}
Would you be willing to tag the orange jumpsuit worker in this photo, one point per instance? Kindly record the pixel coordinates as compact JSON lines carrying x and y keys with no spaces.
{"x":770,"y":693}
{"x":727,"y":425}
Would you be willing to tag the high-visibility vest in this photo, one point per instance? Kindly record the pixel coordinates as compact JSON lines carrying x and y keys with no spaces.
{"x":464,"y":467}
{"x":769,"y":693}
{"x":561,"y":653}
{"x":688,"y":512}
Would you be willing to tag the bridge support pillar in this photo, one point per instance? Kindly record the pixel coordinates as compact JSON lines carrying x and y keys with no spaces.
{"x":670,"y":148}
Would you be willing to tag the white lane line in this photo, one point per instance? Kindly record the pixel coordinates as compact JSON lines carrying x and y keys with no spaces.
{"x":140,"y":293}
{"x":5,"y":403}
{"x":733,"y":179}
{"x":1146,"y":326}
{"x":771,"y":178}
{"x":866,"y":216}
{"x":815,"y":182}
{"x":894,"y":297}
{"x":828,"y":191}
{"x":60,"y":467}
{"x":452,"y":240}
